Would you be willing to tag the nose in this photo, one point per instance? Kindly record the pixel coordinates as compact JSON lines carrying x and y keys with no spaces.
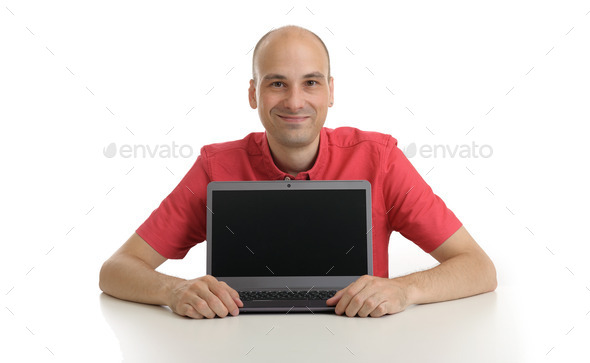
{"x":294,"y":99}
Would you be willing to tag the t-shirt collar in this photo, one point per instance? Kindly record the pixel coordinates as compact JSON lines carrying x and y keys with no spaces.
{"x":274,"y":173}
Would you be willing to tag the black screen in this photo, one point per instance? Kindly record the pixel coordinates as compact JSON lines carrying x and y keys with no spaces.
{"x":289,"y":233}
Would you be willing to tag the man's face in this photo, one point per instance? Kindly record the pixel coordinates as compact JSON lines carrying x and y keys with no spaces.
{"x":292,"y":91}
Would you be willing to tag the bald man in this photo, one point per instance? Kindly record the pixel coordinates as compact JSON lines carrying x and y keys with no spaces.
{"x":292,"y":89}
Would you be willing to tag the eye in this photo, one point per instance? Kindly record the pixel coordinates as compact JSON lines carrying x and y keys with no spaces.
{"x":277,"y":84}
{"x":312,"y":83}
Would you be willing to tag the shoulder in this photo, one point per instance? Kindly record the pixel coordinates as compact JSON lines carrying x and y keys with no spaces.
{"x":249,"y":145}
{"x":344,"y":137}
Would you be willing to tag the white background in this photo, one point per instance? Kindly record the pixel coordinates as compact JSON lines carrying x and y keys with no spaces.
{"x":76,"y":77}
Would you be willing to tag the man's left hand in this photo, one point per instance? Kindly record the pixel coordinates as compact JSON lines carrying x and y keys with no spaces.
{"x":370,"y":295}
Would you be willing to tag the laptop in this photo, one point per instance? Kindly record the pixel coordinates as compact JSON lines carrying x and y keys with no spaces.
{"x":288,"y":245}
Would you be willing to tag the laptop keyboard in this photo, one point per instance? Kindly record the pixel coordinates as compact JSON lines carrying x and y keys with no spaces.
{"x":286,"y":295}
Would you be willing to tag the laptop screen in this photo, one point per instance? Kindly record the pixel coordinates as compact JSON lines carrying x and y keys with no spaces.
{"x":289,"y":233}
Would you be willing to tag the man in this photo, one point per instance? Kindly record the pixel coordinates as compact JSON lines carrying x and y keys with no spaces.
{"x":292,"y":90}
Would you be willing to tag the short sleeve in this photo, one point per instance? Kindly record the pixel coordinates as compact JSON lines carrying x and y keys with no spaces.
{"x":180,"y":221}
{"x":413,"y":209}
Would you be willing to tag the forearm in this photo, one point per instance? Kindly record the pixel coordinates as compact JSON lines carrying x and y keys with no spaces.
{"x":461,"y":276}
{"x":129,"y":278}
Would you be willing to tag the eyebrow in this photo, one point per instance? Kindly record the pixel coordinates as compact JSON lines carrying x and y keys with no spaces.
{"x":280,"y":76}
{"x":314,"y":75}
{"x":274,"y":76}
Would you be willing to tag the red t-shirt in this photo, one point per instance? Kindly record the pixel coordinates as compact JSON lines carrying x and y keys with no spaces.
{"x":401,"y":199}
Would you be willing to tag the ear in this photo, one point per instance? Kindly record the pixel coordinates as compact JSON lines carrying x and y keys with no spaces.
{"x":331,"y":84}
{"x":252,"y":94}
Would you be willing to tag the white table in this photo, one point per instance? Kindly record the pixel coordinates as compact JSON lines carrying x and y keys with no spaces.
{"x":454,"y":331}
{"x":483,"y":328}
{"x":56,"y":313}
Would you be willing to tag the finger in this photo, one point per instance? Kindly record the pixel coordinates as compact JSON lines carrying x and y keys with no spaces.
{"x":334,"y":299}
{"x":188,"y":310}
{"x":202,"y":307}
{"x":223,"y":293}
{"x":348,"y":294}
{"x":215,"y":303}
{"x":235,"y":296}
{"x":357,"y":301}
{"x":370,"y":304}
{"x":380,"y":310}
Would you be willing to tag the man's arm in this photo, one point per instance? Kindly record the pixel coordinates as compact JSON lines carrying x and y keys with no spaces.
{"x":130,"y":275}
{"x":464,"y":270}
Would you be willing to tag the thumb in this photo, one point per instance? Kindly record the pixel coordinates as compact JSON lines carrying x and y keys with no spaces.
{"x":334,"y":299}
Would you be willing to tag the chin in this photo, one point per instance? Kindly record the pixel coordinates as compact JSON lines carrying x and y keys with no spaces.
{"x":300,"y":141}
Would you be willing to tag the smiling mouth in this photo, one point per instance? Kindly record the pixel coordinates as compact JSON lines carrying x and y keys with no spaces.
{"x":294,"y":118}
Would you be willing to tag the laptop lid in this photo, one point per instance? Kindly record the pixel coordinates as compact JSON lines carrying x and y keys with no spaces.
{"x":272,"y":234}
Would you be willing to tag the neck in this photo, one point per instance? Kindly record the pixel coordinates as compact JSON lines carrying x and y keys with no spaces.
{"x":293,"y":160}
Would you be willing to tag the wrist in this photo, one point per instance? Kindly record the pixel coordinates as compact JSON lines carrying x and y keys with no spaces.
{"x":409,"y":290}
{"x":168,"y":292}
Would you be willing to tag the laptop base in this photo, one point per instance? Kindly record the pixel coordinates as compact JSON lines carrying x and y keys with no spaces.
{"x":278,"y":306}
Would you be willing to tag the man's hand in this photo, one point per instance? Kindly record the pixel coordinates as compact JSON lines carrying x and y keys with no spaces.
{"x":464,"y":270}
{"x":130,"y":274}
{"x":370,"y":295}
{"x":205,"y":297}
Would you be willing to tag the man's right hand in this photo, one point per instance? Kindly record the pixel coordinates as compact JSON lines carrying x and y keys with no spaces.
{"x":130,"y":274}
{"x":204,"y":297}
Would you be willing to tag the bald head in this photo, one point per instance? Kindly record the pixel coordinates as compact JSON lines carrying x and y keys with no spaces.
{"x":282,"y":34}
